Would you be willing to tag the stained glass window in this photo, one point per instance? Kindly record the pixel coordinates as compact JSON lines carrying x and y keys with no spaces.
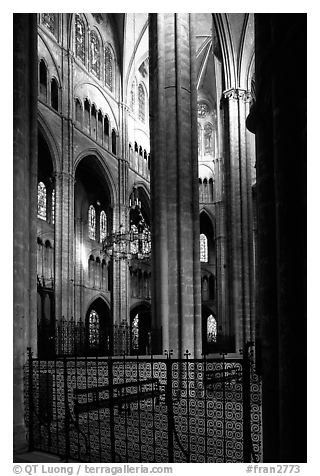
{"x":50,"y":21}
{"x":92,"y":222}
{"x":203,"y":248}
{"x":93,"y":329}
{"x":80,"y":38}
{"x":42,"y":201}
{"x":53,"y":205}
{"x":103,"y":225}
{"x":95,"y":54}
{"x":142,"y":103}
{"x":211,"y":329}
{"x":135,"y":332}
{"x":108,"y":68}
{"x":134,"y":242}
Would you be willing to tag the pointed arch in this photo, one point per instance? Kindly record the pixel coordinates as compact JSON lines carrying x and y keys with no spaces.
{"x":103,"y":170}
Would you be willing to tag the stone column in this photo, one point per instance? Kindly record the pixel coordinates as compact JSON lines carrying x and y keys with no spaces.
{"x":176,"y":301}
{"x":120,"y":265}
{"x":239,"y":224}
{"x":25,"y":93}
{"x":64,"y":232}
{"x":278,"y":119}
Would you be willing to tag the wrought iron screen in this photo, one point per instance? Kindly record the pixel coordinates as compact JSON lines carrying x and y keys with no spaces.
{"x":144,"y":409}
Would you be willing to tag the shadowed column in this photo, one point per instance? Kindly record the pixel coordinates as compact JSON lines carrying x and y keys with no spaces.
{"x":24,"y":209}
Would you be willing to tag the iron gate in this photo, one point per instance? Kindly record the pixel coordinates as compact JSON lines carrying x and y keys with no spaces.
{"x":144,"y":409}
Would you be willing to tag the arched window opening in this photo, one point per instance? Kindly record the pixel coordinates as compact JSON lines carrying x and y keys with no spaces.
{"x":50,"y":21}
{"x":54,"y":94}
{"x":93,"y":329}
{"x":114,"y":142}
{"x":211,"y":329}
{"x":203,"y":248}
{"x":135,"y":147}
{"x":80,"y":39}
{"x":94,"y":54}
{"x":135,"y":333}
{"x":103,"y":226}
{"x":43,"y":80}
{"x":78,"y":112}
{"x":100,"y":126}
{"x":87,"y":114}
{"x":108,"y":68}
{"x":142,"y":103}
{"x":92,"y":222}
{"x":42,"y":201}
{"x":93,"y":121}
{"x":140,"y":150}
{"x":106,"y":126}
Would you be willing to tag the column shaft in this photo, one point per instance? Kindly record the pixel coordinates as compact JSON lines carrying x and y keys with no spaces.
{"x":174,"y":187}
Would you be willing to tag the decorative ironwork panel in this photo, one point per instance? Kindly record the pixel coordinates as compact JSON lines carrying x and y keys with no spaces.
{"x":141,"y":410}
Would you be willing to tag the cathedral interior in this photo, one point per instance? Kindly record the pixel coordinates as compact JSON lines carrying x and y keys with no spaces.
{"x":159,"y":177}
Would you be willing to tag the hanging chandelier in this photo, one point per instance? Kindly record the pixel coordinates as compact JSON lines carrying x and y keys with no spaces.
{"x":134,"y":243}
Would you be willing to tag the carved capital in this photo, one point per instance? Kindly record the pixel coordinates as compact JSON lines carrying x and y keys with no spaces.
{"x":237,"y":94}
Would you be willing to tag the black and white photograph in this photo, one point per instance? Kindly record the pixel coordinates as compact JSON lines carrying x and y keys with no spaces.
{"x":159,"y":238}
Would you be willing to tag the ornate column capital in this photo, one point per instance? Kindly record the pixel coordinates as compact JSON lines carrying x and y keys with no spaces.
{"x":237,"y":94}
